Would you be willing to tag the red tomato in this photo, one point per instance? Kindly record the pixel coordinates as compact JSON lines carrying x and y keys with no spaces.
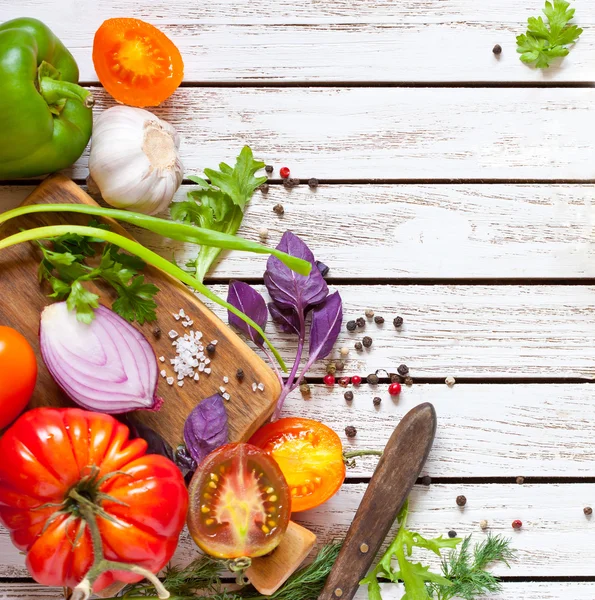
{"x":48,"y":452}
{"x":310,"y":456}
{"x":239,"y":503}
{"x":18,"y":373}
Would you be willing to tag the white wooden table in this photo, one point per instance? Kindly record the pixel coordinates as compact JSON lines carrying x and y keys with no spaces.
{"x":455,"y":191}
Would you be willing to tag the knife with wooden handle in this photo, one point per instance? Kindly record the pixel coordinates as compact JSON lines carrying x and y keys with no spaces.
{"x":398,"y":469}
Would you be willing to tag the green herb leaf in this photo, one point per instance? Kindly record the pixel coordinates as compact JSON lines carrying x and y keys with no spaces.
{"x":135,"y":302}
{"x":543,"y":42}
{"x":82,"y":301}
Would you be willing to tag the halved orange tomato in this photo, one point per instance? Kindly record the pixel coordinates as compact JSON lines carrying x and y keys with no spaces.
{"x":310,"y":456}
{"x":239,"y":503}
{"x":136,"y":63}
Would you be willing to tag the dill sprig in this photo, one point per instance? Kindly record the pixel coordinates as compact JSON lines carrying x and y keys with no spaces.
{"x":465,"y":569}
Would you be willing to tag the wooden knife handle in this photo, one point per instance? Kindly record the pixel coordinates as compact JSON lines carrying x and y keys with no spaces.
{"x":395,"y":475}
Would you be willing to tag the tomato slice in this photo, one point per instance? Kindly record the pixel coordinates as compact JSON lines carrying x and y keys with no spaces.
{"x":136,"y":63}
{"x":310,"y":455}
{"x":239,"y":503}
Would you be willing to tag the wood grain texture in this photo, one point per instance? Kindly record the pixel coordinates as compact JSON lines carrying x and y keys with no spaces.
{"x":473,"y":331}
{"x":340,"y":41}
{"x":555,"y":534}
{"x":387,"y":133}
{"x":247,"y":410}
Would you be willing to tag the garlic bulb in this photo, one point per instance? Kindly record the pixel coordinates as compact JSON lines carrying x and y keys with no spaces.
{"x":134,"y":159}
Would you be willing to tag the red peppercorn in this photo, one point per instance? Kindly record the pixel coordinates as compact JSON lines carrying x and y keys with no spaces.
{"x":517,"y":524}
{"x":394,"y":389}
{"x":344,"y":381}
{"x":284,"y":172}
{"x":329,"y":379}
{"x":356,"y":380}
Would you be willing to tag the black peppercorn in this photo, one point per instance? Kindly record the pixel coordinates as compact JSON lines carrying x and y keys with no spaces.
{"x":497,"y":49}
{"x":408,"y":381}
{"x":278,"y":209}
{"x":403,"y":370}
{"x":426,"y":480}
{"x":360,"y":322}
{"x":269,"y":168}
{"x":240,"y":374}
{"x":305,"y":389}
{"x":359,"y":346}
{"x":313,"y":182}
{"x":350,"y":431}
{"x":588,"y":511}
{"x":372,"y":379}
{"x":378,"y":320}
{"x":367,"y":342}
{"x":398,"y":321}
{"x":157,"y":332}
{"x":377,"y":401}
{"x":324,"y":269}
{"x":348,"y":396}
{"x":287,"y":183}
{"x":520,"y":480}
{"x":461,"y":500}
{"x":264,"y":188}
{"x":293,"y":181}
{"x":394,"y":378}
{"x":339,"y":365}
{"x":211,"y":348}
{"x":351,"y":326}
{"x":452,"y":534}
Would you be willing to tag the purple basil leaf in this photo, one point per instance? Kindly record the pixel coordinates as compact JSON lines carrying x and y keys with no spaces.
{"x":206,"y":428}
{"x":324,"y":269}
{"x":287,"y":288}
{"x":155,"y":443}
{"x":251,"y":303}
{"x":286,"y":319}
{"x":326,"y":325}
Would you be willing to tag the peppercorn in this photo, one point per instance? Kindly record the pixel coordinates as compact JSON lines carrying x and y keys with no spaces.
{"x":588,"y":511}
{"x":378,"y":320}
{"x":426,"y":480}
{"x":497,"y":49}
{"x":369,"y":313}
{"x":450,"y":381}
{"x":461,"y":500}
{"x":452,"y":534}
{"x":211,"y":348}
{"x":367,"y":342}
{"x":157,"y":332}
{"x":403,"y":370}
{"x":517,"y":524}
{"x":344,"y":381}
{"x":377,"y":401}
{"x":351,"y":325}
{"x":340,"y":365}
{"x":520,"y":480}
{"x":344,"y":351}
{"x":348,"y":396}
{"x":263,"y":233}
{"x":305,"y":389}
{"x":313,"y":182}
{"x":358,"y":346}
{"x":356,"y":380}
{"x":394,"y":378}
{"x":483,"y":524}
{"x":264,"y":188}
{"x":284,"y":172}
{"x":278,"y":209}
{"x":394,"y":389}
{"x":398,"y":321}
{"x":269,"y":168}
{"x":331,"y":368}
{"x":360,"y":322}
{"x":294,"y":181}
{"x":372,"y":379}
{"x":324,"y":269}
{"x":408,"y":381}
{"x":287,"y":184}
{"x":350,"y":431}
{"x":240,"y":374}
{"x":329,"y":380}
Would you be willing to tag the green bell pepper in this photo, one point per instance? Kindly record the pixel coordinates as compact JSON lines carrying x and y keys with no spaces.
{"x":45,"y":117}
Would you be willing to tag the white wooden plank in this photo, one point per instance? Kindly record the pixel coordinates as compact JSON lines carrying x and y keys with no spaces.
{"x":388,"y":133}
{"x":501,"y":231}
{"x":466,"y":331}
{"x":333,"y":41}
{"x":554,"y":535}
{"x":483,"y":430}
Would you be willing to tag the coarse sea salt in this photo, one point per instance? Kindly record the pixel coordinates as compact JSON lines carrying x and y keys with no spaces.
{"x":261,"y":387}
{"x":254,"y":387}
{"x":226,"y":396}
{"x":226,"y":379}
{"x":162,"y":358}
{"x":163,"y":373}
{"x":170,"y":380}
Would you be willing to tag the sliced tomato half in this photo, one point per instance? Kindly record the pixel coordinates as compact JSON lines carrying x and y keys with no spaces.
{"x":239,"y":503}
{"x":310,"y":455}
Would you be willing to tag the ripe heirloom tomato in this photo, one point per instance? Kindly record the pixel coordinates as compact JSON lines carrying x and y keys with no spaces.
{"x":18,"y":373}
{"x":239,"y":503}
{"x":310,"y":456}
{"x":141,"y":500}
{"x":136,"y":63}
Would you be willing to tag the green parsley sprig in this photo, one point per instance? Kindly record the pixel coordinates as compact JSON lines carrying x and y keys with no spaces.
{"x":543,"y":42}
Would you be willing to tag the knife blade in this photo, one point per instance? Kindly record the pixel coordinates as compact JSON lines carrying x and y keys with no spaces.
{"x":398,"y":469}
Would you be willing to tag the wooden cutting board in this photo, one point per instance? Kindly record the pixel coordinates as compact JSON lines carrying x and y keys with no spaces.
{"x":22,"y":299}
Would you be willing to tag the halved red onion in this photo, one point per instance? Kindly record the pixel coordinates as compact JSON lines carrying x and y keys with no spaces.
{"x":107,"y":366}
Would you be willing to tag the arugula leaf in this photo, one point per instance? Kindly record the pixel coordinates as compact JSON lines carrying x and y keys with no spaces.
{"x":220,"y":205}
{"x":543,"y":42}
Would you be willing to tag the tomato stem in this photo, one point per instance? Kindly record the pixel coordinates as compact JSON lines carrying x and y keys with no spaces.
{"x":100,"y":564}
{"x":356,"y":453}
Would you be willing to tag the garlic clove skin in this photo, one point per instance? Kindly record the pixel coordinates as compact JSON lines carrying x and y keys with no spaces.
{"x":134,"y":160}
